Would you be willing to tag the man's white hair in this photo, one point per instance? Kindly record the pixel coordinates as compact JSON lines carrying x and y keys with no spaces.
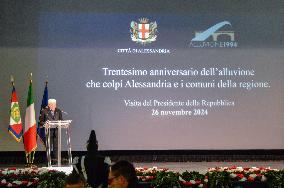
{"x":51,"y":101}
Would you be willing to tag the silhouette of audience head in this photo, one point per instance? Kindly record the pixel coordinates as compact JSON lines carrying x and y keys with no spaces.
{"x":92,"y":144}
{"x":93,"y":167}
{"x":75,"y":180}
{"x":122,"y":175}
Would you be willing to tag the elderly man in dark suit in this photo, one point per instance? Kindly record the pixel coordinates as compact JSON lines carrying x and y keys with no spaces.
{"x":52,"y":113}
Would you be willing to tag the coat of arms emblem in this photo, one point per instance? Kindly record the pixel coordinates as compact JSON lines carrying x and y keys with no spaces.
{"x":143,"y":32}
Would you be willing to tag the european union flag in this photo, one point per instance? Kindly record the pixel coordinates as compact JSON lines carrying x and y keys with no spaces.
{"x":44,"y":103}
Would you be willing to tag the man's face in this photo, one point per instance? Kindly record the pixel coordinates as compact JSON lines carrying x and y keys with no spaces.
{"x":52,"y":106}
{"x":115,"y":181}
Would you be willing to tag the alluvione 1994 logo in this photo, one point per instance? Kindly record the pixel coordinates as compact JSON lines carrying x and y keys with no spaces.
{"x":213,"y":37}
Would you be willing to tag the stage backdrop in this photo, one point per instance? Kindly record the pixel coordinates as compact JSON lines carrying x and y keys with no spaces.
{"x":162,"y":75}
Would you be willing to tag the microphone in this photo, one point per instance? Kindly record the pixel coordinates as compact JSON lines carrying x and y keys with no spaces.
{"x":64,"y":112}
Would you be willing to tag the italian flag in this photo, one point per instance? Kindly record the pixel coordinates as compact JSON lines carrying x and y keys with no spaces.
{"x":30,"y":124}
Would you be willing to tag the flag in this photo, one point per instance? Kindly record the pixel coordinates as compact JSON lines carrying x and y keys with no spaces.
{"x":30,"y":123}
{"x":15,"y":127}
{"x":44,"y":103}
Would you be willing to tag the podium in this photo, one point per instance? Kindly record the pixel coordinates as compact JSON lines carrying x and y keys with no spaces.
{"x":58,"y":125}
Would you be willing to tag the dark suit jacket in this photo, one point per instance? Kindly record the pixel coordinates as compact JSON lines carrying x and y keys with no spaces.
{"x":47,"y":115}
{"x":96,"y":169}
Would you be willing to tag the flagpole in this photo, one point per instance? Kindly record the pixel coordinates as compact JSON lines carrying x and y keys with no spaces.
{"x":31,"y":161}
{"x":33,"y":157}
{"x":28,"y":155}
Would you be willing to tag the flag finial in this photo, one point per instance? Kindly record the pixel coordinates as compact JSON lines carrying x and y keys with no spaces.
{"x":31,"y":77}
{"x":46,"y":80}
{"x":12,"y":80}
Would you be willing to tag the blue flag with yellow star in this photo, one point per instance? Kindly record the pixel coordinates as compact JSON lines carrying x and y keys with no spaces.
{"x":44,"y":103}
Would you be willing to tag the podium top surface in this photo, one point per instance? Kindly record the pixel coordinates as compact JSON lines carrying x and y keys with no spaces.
{"x":59,"y":123}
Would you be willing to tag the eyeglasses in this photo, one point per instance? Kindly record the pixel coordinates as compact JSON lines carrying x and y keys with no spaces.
{"x":110,"y":180}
